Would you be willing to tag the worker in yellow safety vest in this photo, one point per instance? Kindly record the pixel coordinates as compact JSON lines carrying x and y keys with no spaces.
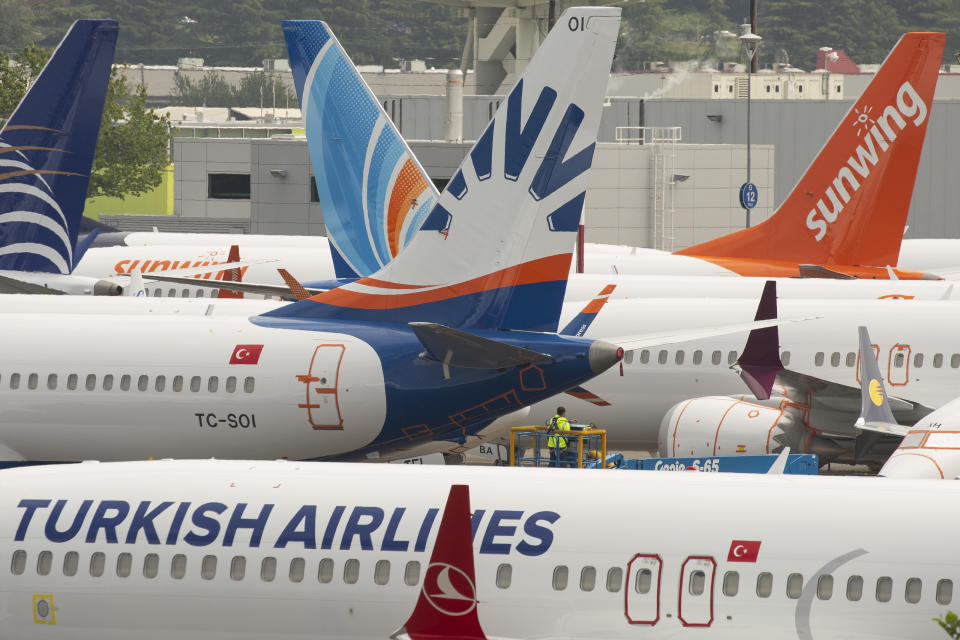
{"x":557,"y":443}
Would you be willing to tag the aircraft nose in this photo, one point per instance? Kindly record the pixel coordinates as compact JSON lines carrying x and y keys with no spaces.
{"x":603,"y":355}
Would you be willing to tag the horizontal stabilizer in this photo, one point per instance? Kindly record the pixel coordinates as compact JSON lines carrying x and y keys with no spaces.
{"x":644,"y":340}
{"x":819,"y":271}
{"x":462,"y":349}
{"x":277,"y":290}
{"x":886,"y":428}
{"x":13,"y":285}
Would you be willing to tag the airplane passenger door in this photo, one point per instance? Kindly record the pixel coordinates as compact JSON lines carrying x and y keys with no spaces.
{"x":898,"y":365}
{"x":695,"y":606}
{"x":643,"y":589}
{"x":321,"y":382}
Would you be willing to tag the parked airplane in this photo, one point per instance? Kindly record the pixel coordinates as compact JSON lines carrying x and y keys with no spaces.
{"x":196,"y":549}
{"x":46,"y":155}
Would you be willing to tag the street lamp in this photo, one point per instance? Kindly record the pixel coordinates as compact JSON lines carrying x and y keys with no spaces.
{"x":748,"y":191}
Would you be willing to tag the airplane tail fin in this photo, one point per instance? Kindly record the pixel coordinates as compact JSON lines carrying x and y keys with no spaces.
{"x":495,"y":251}
{"x":447,"y":606}
{"x":46,"y":151}
{"x":582,"y":321}
{"x":373,"y":192}
{"x":851,"y":205}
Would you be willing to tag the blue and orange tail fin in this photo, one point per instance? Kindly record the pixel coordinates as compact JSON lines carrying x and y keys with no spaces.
{"x":495,"y":251}
{"x":851,"y":205}
{"x":582,"y":321}
{"x":46,"y":152}
{"x":373,"y":192}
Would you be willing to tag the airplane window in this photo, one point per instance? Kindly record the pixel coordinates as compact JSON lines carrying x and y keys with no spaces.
{"x":381,"y":572}
{"x":644,"y":356}
{"x":19,"y":562}
{"x":230,"y":384}
{"x":44,"y":562}
{"x":794,"y":585}
{"x":504,"y":575}
{"x":325,"y":571}
{"x":411,"y":574}
{"x":835,"y":359}
{"x":268,"y":569}
{"x":212,"y":384}
{"x":678,"y":358}
{"x":151,"y":565}
{"x":177,"y":383}
{"x":124,"y":563}
{"x":955,"y":360}
{"x":918,"y":360}
{"x":199,"y":293}
{"x":32,"y":381}
{"x":91,"y":383}
{"x":588,"y":578}
{"x":818,"y":359}
{"x":248,"y":384}
{"x":697,"y":356}
{"x":731,"y":357}
{"x":172,"y":293}
{"x":185,"y":293}
{"x":912,"y":592}
{"x":71,"y":561}
{"x":628,"y":357}
{"x":898,"y":360}
{"x":851,"y":359}
{"x":825,"y":587}
{"x":698,"y":580}
{"x":351,"y":571}
{"x":52,"y":381}
{"x":785,"y":358}
{"x":125,"y":382}
{"x":238,"y":567}
{"x":937,"y":360}
{"x":614,"y":579}
{"x":884,"y":589}
{"x":143,"y":383}
{"x":157,"y":292}
{"x":208,"y":567}
{"x":71,"y":381}
{"x":297,"y":566}
{"x":662,"y":356}
{"x":944,"y":591}
{"x":560,"y":576}
{"x":97,"y":562}
{"x":765,"y":584}
{"x":715,"y":357}
{"x":160,"y":383}
{"x":14,"y":380}
{"x":108,"y":382}
{"x":642,"y":583}
{"x":731,"y":583}
{"x":854,"y":588}
{"x":195,"y":384}
{"x":178,"y":566}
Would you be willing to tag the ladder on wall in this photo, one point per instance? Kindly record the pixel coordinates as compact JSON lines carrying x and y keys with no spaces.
{"x":663,"y":142}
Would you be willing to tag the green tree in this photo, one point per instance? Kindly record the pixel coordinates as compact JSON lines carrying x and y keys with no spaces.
{"x":18,"y":26}
{"x":15,"y":79}
{"x":263,"y":88}
{"x":209,"y":90}
{"x":950,"y":623}
{"x":133,"y":147}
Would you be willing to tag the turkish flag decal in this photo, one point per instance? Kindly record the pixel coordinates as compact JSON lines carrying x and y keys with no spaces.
{"x":246,"y":354}
{"x":744,"y":551}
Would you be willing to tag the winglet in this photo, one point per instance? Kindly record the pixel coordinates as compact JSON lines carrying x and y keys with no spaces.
{"x":135,"y":286}
{"x":231,"y":275}
{"x":876,"y":418}
{"x":582,"y":321}
{"x":447,"y":606}
{"x":294,"y":285}
{"x":780,"y":464}
{"x":760,"y":362}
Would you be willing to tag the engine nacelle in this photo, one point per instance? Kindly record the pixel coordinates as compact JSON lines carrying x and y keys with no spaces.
{"x":107,"y":288}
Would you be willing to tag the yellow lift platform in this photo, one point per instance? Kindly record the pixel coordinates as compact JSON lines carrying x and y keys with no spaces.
{"x":589,"y":452}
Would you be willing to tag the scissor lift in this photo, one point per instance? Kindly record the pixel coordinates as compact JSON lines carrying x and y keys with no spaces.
{"x":586,"y":447}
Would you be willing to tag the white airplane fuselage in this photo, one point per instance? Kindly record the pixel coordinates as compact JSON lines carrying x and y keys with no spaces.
{"x":212,"y":549}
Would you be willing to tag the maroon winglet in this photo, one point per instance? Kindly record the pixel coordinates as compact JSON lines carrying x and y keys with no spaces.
{"x":760,"y":361}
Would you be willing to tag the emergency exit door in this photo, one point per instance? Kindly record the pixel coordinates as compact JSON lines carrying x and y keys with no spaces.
{"x":643,"y":589}
{"x":695,"y":606}
{"x":322,"y":381}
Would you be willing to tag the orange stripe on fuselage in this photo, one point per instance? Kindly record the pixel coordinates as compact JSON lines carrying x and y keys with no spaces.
{"x":383,"y":284}
{"x":408,"y":185}
{"x":541,"y":270}
{"x":776,"y":269}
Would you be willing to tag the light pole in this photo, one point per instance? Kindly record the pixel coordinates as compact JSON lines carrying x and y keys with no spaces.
{"x":751,"y":42}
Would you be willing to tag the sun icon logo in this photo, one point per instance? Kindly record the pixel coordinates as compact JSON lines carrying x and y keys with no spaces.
{"x":863,"y":121}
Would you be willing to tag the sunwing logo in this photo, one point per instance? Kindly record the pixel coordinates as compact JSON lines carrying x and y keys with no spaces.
{"x":877,"y":136}
{"x":33,"y":205}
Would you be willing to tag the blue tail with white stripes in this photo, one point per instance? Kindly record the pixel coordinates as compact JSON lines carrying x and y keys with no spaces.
{"x":373,"y":192}
{"x":46,"y":152}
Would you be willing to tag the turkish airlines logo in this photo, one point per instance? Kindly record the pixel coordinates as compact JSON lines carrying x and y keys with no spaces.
{"x":744,"y":551}
{"x":246,"y":354}
{"x":449,"y":589}
{"x":909,"y":107}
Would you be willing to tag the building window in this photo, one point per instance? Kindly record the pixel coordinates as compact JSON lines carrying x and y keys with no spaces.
{"x":504,"y":575}
{"x":351,"y":571}
{"x":411,"y":574}
{"x":560,"y":576}
{"x":228,"y":186}
{"x":731,"y":583}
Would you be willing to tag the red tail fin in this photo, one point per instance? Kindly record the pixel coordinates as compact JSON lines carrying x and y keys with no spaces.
{"x":851,"y":205}
{"x":447,"y":607}
{"x":231,"y":275}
